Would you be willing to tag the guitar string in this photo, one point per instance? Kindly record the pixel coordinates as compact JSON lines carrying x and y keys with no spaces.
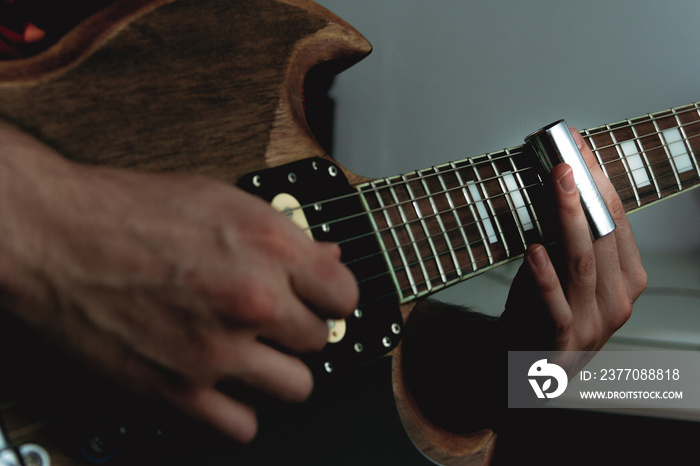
{"x":520,"y":151}
{"x":466,"y":246}
{"x":457,"y":272}
{"x":393,"y":182}
{"x":377,"y":190}
{"x":410,"y":291}
{"x":439,"y":213}
{"x":638,"y":138}
{"x":397,"y":184}
{"x":469,"y":163}
{"x":657,"y":134}
{"x":442,"y":232}
{"x":474,"y":263}
{"x":623,"y":156}
{"x":457,"y":269}
{"x":649,"y":117}
{"x":627,"y":173}
{"x":441,"y":236}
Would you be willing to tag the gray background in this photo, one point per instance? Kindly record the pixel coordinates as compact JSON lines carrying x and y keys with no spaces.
{"x":451,"y":79}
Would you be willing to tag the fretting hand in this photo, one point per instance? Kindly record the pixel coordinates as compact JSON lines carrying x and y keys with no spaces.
{"x":578,"y":299}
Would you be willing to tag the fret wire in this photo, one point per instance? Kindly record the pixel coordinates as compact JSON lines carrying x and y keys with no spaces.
{"x":651,"y":116}
{"x":662,"y":146}
{"x":592,"y":143}
{"x":421,"y":220}
{"x":643,"y":153}
{"x":625,"y":164}
{"x":589,"y":133}
{"x":438,"y":217}
{"x":456,"y":171}
{"x":467,"y":246}
{"x":405,"y":291}
{"x":526,"y":196}
{"x":658,"y":132}
{"x":695,"y":160}
{"x":470,"y":202}
{"x":511,"y":204}
{"x":392,"y":232}
{"x":475,"y":222}
{"x":669,"y":156}
{"x":662,"y":191}
{"x":387,"y":180}
{"x":649,"y":166}
{"x":410,"y":235}
{"x":370,"y":183}
{"x":455,"y":168}
{"x":400,"y":245}
{"x":458,"y":222}
{"x":472,"y":209}
{"x":684,"y":138}
{"x":487,"y":202}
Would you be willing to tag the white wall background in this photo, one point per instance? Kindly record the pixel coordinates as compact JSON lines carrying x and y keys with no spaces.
{"x":450,"y":79}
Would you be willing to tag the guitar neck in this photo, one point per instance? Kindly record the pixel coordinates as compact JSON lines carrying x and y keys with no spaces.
{"x":651,"y":157}
{"x":444,"y":224}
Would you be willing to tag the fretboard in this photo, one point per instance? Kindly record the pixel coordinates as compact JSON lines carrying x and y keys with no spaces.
{"x":447,"y":223}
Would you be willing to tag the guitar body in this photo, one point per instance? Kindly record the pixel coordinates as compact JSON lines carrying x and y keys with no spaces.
{"x":211,"y":87}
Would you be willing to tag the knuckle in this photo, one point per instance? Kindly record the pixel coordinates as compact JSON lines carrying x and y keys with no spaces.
{"x":571,"y":206}
{"x":316,"y":342}
{"x":641,"y":281}
{"x":255,"y":303}
{"x":584,"y":265}
{"x":280,"y":241}
{"x":615,"y":207}
{"x":563,"y":325}
{"x":622,"y":314}
{"x":590,"y":335}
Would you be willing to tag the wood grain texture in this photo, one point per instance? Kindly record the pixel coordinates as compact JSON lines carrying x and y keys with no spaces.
{"x":210,"y":87}
{"x":438,"y":444}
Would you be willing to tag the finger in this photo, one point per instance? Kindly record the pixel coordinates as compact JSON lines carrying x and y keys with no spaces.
{"x":325,"y":284}
{"x":297,"y":328}
{"x":551,"y":293}
{"x":272,"y":372}
{"x":576,"y":237}
{"x":227,"y":415}
{"x":627,"y":252}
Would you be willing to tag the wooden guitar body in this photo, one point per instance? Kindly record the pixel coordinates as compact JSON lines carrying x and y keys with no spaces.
{"x":211,"y":87}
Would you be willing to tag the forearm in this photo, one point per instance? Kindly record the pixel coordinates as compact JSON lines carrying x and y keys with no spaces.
{"x":30,"y":177}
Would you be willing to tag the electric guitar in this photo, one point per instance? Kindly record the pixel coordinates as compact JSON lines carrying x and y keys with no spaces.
{"x":215,"y":87}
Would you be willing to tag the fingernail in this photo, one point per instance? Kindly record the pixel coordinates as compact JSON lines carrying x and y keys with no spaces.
{"x":566,"y":181}
{"x":538,"y":257}
{"x":577,"y":137}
